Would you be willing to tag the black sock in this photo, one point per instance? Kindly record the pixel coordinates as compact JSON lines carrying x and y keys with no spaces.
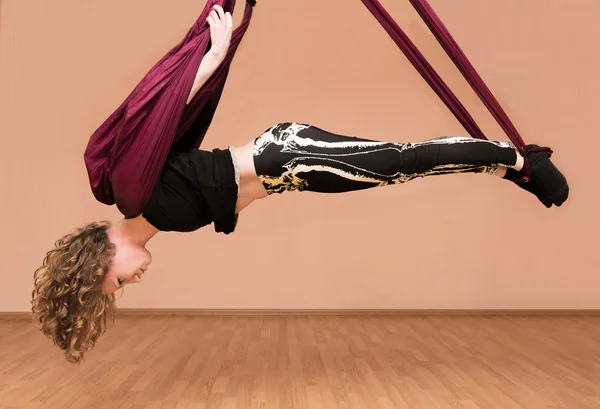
{"x":514,"y":175}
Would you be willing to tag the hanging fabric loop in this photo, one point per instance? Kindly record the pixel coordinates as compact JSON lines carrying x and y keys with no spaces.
{"x":125,"y":155}
{"x":455,"y":53}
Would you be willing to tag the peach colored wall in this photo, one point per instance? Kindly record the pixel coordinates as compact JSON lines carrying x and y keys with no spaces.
{"x":448,"y":242}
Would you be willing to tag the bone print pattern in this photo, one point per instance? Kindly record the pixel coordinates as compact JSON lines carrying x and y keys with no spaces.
{"x":297,"y":157}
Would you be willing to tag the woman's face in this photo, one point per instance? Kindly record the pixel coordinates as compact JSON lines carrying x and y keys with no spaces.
{"x":128,"y":266}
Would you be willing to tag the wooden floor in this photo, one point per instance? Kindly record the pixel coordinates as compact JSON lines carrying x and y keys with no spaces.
{"x":311,"y":362}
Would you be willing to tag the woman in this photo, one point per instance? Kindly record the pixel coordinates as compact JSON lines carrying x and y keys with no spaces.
{"x":73,"y":294}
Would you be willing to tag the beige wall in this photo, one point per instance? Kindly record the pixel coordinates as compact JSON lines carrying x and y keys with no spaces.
{"x":448,"y":242}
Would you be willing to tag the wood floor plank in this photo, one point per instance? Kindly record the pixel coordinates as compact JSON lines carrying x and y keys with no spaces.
{"x":298,"y":362}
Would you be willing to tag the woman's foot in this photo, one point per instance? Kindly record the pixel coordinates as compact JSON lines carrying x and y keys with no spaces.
{"x":516,"y":177}
{"x":551,"y":182}
{"x":545,"y":181}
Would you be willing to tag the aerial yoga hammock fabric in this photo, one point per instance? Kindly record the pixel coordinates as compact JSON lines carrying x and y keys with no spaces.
{"x":125,"y":156}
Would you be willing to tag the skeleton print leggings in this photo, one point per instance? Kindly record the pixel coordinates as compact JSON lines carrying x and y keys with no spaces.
{"x":292,"y":156}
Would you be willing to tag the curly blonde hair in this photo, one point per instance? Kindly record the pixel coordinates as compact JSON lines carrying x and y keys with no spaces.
{"x":67,"y":298}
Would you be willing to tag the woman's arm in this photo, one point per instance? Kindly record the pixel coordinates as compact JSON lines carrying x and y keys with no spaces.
{"x":221,"y":28}
{"x":208,"y":66}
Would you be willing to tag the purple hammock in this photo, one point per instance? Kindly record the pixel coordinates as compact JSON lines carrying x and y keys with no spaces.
{"x":126,"y":154}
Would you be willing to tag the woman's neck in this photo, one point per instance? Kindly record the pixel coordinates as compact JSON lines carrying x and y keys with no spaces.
{"x":137,"y":231}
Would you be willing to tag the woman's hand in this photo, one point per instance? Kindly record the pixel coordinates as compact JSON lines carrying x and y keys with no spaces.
{"x":221,"y":29}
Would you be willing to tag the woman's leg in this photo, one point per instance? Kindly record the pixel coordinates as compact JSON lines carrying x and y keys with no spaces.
{"x":292,"y":156}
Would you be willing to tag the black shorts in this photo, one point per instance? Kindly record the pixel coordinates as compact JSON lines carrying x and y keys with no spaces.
{"x":195,"y":189}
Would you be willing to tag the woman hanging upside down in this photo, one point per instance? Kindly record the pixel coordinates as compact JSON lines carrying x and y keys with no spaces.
{"x":73,"y":295}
